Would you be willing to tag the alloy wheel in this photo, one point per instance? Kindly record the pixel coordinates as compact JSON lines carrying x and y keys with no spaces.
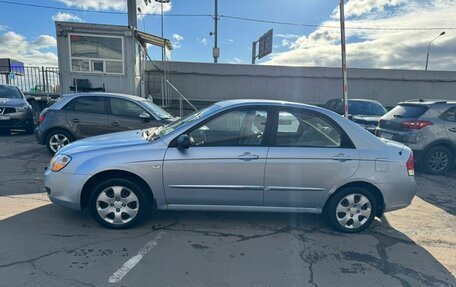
{"x":58,"y":141}
{"x":438,"y":161}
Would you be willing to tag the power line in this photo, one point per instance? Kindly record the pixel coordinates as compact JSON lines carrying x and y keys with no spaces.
{"x":335,"y":27}
{"x":231,"y":17}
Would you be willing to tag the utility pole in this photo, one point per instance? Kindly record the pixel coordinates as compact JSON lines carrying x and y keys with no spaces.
{"x":132,"y":17}
{"x":216,"y":50}
{"x":254,"y":44}
{"x":344,"y":59}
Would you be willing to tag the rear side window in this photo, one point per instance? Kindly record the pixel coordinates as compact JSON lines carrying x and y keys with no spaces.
{"x":94,"y":105}
{"x":450,"y":115}
{"x":408,"y":111}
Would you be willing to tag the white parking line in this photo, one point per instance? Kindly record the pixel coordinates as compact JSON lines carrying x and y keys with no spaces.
{"x":131,"y":263}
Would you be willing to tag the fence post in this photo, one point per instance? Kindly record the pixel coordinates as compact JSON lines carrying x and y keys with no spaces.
{"x":43,"y":78}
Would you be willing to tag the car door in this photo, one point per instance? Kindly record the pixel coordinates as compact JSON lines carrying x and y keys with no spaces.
{"x":87,"y":116}
{"x":128,"y":115}
{"x":225,"y":163}
{"x":449,"y":118}
{"x":309,"y":155}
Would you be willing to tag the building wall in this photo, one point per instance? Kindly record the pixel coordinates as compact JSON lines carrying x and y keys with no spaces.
{"x":127,"y":83}
{"x":215,"y":82}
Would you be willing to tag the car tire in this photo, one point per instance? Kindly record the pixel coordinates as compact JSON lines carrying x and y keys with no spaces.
{"x":352,"y":209}
{"x":438,"y":160}
{"x":118,"y":203}
{"x":56,"y":139}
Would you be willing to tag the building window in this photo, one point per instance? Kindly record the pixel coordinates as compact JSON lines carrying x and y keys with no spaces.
{"x":96,"y":54}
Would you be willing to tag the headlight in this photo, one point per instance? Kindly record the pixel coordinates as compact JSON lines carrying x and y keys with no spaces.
{"x":58,"y":162}
{"x":23,"y":108}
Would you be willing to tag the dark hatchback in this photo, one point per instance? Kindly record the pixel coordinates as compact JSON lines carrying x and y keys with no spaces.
{"x":15,"y":111}
{"x":366,"y":113}
{"x":82,"y":115}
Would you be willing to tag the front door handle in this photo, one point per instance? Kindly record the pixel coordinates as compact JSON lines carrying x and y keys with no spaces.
{"x":75,"y":120}
{"x":452,"y":130}
{"x":248,"y":156}
{"x":115,"y":124}
{"x":342,"y":157}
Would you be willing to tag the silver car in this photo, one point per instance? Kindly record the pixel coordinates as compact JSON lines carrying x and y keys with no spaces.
{"x":239,"y":155}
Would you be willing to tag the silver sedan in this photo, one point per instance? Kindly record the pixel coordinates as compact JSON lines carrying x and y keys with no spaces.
{"x":238,"y":155}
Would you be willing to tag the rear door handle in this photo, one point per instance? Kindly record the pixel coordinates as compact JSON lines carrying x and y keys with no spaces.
{"x":342,"y":157}
{"x":75,"y":121}
{"x":248,"y":156}
{"x":452,"y":130}
{"x":116,"y":123}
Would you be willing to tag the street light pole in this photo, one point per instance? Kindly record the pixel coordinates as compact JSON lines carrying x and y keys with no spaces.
{"x":162,"y":2}
{"x":429,"y":48}
{"x":344,"y":58}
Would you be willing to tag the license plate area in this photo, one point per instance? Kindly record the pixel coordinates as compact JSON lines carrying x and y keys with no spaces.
{"x":5,"y":118}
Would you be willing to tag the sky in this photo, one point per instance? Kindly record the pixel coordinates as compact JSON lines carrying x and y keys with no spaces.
{"x":388,"y":34}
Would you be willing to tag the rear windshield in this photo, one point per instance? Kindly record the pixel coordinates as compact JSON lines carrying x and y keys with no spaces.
{"x":408,"y":111}
{"x":9,"y":92}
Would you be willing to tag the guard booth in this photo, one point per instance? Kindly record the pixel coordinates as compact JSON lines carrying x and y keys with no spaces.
{"x":108,"y":58}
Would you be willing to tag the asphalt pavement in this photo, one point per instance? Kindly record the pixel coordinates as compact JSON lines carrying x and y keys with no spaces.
{"x":46,"y":245}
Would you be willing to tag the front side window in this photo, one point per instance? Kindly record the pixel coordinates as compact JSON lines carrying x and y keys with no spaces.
{"x":235,"y":128}
{"x":95,"y":105}
{"x":302,"y":129}
{"x":124,"y":108}
{"x":96,"y":54}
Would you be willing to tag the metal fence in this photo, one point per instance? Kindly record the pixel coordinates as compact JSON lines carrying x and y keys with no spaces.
{"x":34,"y":80}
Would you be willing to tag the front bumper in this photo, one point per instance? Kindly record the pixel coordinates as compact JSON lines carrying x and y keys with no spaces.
{"x":17,"y":120}
{"x":65,"y":188}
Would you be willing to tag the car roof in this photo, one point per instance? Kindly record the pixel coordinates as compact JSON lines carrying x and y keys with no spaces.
{"x":241,"y":102}
{"x":357,"y":100}
{"x":427,"y":102}
{"x":104,"y":94}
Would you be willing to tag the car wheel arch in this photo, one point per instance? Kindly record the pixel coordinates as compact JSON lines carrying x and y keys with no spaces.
{"x":107,"y":174}
{"x":363,"y":184}
{"x":57,"y":129}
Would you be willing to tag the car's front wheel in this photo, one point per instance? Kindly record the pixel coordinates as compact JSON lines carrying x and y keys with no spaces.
{"x":352,"y":209}
{"x":118,"y":203}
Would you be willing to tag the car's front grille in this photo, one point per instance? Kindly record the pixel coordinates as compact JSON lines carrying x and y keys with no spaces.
{"x":7,"y":110}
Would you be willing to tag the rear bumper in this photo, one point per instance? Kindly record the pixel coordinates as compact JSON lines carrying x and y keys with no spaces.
{"x":398,"y":194}
{"x":39,"y":136}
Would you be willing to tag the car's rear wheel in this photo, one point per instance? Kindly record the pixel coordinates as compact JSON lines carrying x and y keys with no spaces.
{"x":118,"y":203}
{"x":438,"y":160}
{"x":352,"y":209}
{"x":57,"y":139}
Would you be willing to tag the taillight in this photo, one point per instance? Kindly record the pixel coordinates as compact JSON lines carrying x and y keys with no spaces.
{"x":415,"y":124}
{"x":410,"y":165}
{"x":42,"y":116}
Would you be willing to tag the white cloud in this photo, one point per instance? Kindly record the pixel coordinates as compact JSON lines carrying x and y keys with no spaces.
{"x":202,"y":41}
{"x":377,"y":48}
{"x":66,"y":17}
{"x":234,"y":60}
{"x":177,"y":41}
{"x":117,"y":5}
{"x":16,"y":46}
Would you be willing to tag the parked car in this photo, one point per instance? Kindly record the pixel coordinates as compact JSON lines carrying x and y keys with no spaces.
{"x":366,"y":113}
{"x":428,"y":127}
{"x":238,"y":155}
{"x":15,"y":111}
{"x":82,"y":115}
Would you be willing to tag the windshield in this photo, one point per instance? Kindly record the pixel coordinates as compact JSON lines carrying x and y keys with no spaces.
{"x":9,"y":92}
{"x":365,"y":108}
{"x":156,"y":110}
{"x":169,"y":128}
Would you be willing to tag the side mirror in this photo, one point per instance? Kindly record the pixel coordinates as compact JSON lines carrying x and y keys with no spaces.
{"x":350,"y":116}
{"x":144,"y":116}
{"x":183,"y":142}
